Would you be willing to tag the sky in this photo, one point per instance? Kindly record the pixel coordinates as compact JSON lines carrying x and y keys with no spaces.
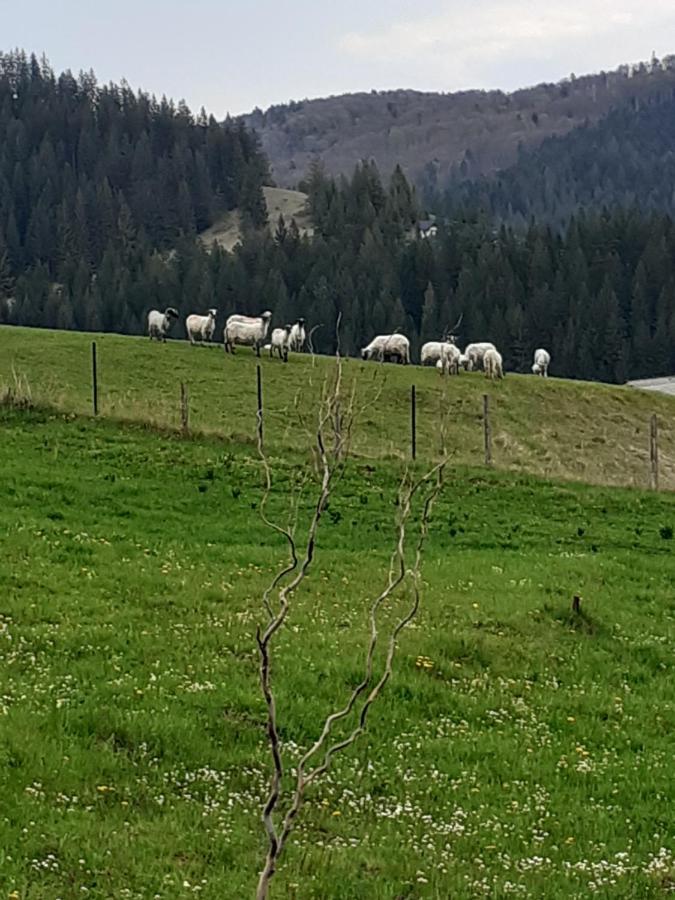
{"x":230,"y":56}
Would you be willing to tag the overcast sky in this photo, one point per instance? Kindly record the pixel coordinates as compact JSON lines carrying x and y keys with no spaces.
{"x":232,"y":55}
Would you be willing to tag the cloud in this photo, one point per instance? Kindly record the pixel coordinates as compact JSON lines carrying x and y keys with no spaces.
{"x":469,"y":39}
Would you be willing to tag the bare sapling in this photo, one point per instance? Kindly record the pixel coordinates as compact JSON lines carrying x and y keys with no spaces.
{"x":331,"y":437}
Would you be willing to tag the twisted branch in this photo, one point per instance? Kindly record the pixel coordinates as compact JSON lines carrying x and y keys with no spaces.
{"x":330,"y":459}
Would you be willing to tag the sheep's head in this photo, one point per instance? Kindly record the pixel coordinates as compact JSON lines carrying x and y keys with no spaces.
{"x":535,"y":369}
{"x":364,"y":353}
{"x":287,"y":328}
{"x":266,"y":316}
{"x":301,"y":322}
{"x":171,"y":313}
{"x":213,"y":313}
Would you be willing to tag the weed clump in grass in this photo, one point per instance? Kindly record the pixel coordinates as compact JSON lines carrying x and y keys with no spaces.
{"x":17,"y":394}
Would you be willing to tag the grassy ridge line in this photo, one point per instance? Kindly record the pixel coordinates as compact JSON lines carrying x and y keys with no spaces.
{"x":514,"y":752}
{"x":555,"y":428}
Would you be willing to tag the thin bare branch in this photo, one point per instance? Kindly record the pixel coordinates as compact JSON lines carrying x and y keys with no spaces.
{"x":336,"y":415}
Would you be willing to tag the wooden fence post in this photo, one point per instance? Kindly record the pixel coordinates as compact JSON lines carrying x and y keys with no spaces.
{"x":184,"y":408}
{"x":260,"y":404}
{"x":413,"y":420}
{"x":654,"y":452}
{"x":487,"y":430}
{"x":94,"y":378}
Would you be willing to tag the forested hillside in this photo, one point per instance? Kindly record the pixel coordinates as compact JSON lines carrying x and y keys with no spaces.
{"x":600,"y":295}
{"x":95,"y":181}
{"x":103,"y":192}
{"x":438,"y":137}
{"x":627,"y":159}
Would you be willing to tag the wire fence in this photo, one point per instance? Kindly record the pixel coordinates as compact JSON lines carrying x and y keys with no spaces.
{"x":539,"y":426}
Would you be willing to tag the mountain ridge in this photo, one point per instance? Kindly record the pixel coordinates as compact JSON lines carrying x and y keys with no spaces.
{"x":434,"y":136}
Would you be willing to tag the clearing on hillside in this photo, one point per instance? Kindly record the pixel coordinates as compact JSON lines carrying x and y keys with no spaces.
{"x":291,"y":204}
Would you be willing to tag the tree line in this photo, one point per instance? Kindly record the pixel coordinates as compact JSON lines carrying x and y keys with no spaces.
{"x":90,"y":173}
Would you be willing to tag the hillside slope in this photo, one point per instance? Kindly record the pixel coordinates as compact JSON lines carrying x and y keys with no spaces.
{"x":626,"y":159}
{"x":556,"y":428}
{"x":433,"y":134}
{"x":98,"y":185}
{"x":131,"y":575}
{"x":226,"y":231}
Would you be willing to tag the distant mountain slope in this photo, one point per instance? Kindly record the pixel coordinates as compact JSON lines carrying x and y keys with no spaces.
{"x":626,"y":159}
{"x":432,"y":134}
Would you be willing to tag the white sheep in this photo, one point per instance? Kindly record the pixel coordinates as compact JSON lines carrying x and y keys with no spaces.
{"x":492,"y":363}
{"x":450,"y":358}
{"x":201,"y":327}
{"x":432,"y":351}
{"x":475,"y":354}
{"x":388,"y":347}
{"x":248,"y":330}
{"x":159,"y":323}
{"x":542,"y":360}
{"x":298,"y":336}
{"x":281,"y":342}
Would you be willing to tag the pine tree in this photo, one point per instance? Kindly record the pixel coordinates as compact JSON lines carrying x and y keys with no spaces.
{"x":430,"y":329}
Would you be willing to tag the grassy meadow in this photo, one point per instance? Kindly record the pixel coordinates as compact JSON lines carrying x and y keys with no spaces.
{"x":555,"y":428}
{"x":519,"y":750}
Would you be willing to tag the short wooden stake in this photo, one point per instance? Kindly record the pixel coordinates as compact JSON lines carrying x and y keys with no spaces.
{"x":654,"y":452}
{"x":184,"y":408}
{"x":487,"y":430}
{"x":94,"y":378}
{"x":413,"y":421}
{"x":260,"y":403}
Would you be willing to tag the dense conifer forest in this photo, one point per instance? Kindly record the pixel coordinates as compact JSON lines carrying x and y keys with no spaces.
{"x":103,"y":193}
{"x":625,"y":159}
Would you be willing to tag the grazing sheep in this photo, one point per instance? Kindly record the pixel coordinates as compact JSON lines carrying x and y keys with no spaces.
{"x":298,"y":336}
{"x":432,"y":351}
{"x":450,"y":359}
{"x":247,"y":330}
{"x":492,"y":363}
{"x":542,"y":360}
{"x":159,"y":323}
{"x":281,"y":341}
{"x":201,"y":327}
{"x":475,"y":354}
{"x":388,"y":347}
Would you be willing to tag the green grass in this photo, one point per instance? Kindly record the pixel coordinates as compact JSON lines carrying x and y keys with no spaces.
{"x":532,"y":756}
{"x":559,"y":429}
